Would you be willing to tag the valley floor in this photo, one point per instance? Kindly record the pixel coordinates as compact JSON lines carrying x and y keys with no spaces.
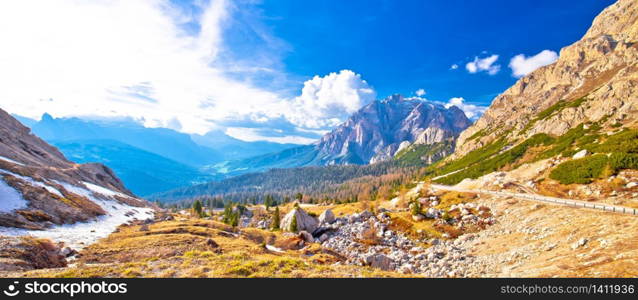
{"x":528,"y":240}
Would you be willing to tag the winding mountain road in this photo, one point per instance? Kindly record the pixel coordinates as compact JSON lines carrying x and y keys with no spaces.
{"x":545,"y":199}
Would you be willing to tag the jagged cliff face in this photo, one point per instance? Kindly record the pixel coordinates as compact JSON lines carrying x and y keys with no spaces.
{"x":381,"y":128}
{"x":40,"y":188}
{"x":601,"y":69}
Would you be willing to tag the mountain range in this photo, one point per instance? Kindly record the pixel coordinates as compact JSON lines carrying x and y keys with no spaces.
{"x":376,"y":132}
{"x":149,"y":160}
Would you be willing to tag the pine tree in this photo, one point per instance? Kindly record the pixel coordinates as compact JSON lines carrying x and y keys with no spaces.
{"x":228,"y":212}
{"x":293,"y":224}
{"x":197,"y":208}
{"x":275,"y":219}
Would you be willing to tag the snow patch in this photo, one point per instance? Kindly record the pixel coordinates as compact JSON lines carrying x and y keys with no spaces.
{"x":10,"y":199}
{"x":80,"y":235}
{"x":11,"y":160}
{"x":274,"y":249}
{"x":102,"y":190}
{"x":34,"y":182}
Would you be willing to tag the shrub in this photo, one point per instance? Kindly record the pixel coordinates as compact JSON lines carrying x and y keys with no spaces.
{"x":276,"y":219}
{"x":293,"y":224}
{"x":619,"y":161}
{"x":582,"y":170}
{"x":197,"y":208}
{"x":625,"y":141}
{"x":415,"y":207}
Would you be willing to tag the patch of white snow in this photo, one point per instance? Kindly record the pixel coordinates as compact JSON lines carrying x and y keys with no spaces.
{"x":10,"y":198}
{"x":80,"y":235}
{"x":11,"y":161}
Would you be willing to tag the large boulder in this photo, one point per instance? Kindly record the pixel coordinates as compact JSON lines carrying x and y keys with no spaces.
{"x":380,"y":261}
{"x":327,"y":217}
{"x":305,"y":222}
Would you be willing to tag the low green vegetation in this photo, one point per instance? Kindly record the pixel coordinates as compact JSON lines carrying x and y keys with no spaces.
{"x":472,"y":157}
{"x":577,"y":136}
{"x":617,"y":152}
{"x":415,"y":155}
{"x":491,"y":163}
{"x":580,"y":170}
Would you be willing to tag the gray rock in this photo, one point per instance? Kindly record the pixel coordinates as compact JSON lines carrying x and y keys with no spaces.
{"x":305,"y":222}
{"x":304,"y":235}
{"x":580,"y":154}
{"x":379,"y":261}
{"x":327,"y":217}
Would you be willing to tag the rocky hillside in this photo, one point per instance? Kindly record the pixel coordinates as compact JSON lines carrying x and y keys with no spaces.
{"x":41,"y":189}
{"x":594,"y":80}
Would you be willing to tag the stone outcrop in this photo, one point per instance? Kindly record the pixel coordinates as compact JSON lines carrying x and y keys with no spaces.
{"x":304,"y":221}
{"x":601,"y":68}
{"x":327,"y":217}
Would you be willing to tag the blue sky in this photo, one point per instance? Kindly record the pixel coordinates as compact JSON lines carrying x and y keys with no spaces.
{"x":401,"y":46}
{"x":284,"y":70}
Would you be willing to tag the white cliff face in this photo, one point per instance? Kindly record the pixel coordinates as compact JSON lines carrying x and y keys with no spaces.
{"x":377,"y":131}
{"x":601,"y":67}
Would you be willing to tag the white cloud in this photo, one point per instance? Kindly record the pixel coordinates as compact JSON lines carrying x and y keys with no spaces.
{"x":420,"y":92}
{"x":522,"y":65}
{"x":484,"y":65}
{"x":327,"y":101}
{"x":454,"y":67}
{"x":253,"y":134}
{"x":142,"y":59}
{"x":471,"y":111}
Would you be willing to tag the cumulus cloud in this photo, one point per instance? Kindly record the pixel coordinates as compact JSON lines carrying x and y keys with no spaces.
{"x":259,"y":134}
{"x":471,"y":111}
{"x":327,"y":101}
{"x":454,"y":67}
{"x":121,"y":58}
{"x":522,"y":65}
{"x":486,"y":64}
{"x":164,"y":64}
{"x":420,"y":92}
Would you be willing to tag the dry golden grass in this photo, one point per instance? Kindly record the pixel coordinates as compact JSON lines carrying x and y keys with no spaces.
{"x":180,"y":249}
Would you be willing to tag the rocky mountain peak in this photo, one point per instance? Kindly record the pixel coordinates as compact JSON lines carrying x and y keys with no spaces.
{"x":377,"y":130}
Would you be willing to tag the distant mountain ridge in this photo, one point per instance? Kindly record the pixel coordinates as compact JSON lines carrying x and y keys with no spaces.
{"x":149,"y":160}
{"x":162,"y":141}
{"x":377,"y":132}
{"x":142,"y":171}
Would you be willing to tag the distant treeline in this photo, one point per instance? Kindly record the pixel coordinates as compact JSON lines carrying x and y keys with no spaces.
{"x":334,"y":184}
